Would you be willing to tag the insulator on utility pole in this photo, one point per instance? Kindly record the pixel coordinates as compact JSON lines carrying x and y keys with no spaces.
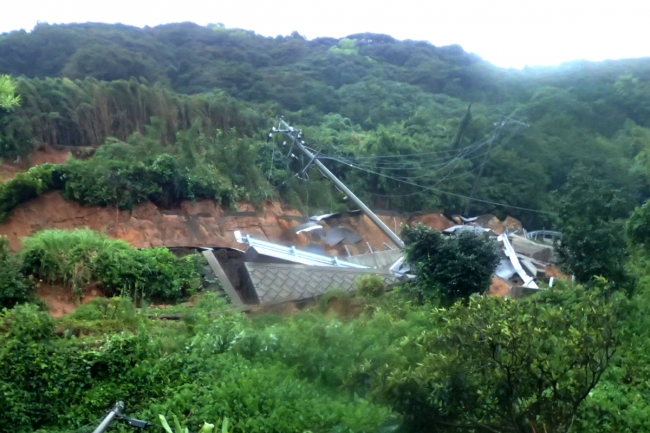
{"x":288,"y":130}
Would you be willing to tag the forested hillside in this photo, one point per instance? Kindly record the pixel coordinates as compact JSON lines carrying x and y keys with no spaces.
{"x":182,"y":112}
{"x":390,"y":117}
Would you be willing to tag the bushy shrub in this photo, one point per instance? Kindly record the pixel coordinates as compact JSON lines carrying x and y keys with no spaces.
{"x":122,"y":175}
{"x":46,"y":381}
{"x":99,"y":308}
{"x":25,"y":186}
{"x":25,"y":322}
{"x":78,"y":257}
{"x":66,"y":256}
{"x":371,"y":286}
{"x":14,"y":287}
{"x":148,"y":273}
{"x":333,"y":296}
{"x":505,"y":365}
{"x":449,"y":268}
{"x":206,"y":374}
{"x":263,"y":397}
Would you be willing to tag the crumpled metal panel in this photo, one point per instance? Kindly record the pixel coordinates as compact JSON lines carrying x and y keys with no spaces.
{"x":281,"y":282}
{"x":291,"y":254}
{"x":466,"y":228}
{"x":335,"y":236}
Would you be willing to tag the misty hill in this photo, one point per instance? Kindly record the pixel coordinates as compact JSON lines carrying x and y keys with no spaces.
{"x":391,"y":115}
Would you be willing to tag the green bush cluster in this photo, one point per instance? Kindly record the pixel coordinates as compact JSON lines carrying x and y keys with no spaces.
{"x":399,"y":364}
{"x":370,"y":285}
{"x":117,"y":177}
{"x":202,"y":377}
{"x":221,"y":166}
{"x":25,"y":186}
{"x":449,"y":267}
{"x":15,"y":288}
{"x":80,"y":257}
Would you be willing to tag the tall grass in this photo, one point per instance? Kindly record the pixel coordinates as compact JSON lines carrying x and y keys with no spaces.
{"x":67,"y":257}
{"x":80,"y":257}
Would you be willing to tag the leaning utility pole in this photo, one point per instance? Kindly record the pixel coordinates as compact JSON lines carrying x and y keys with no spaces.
{"x":295,"y":134}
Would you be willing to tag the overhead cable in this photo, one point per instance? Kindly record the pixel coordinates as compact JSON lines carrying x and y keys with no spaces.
{"x":448,"y":192}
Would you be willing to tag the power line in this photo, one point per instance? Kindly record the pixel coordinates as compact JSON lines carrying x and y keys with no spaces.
{"x":365,"y":160}
{"x":498,"y":126}
{"x":449,"y":193}
{"x":446,"y":161}
{"x":491,"y":140}
{"x":425,"y":188}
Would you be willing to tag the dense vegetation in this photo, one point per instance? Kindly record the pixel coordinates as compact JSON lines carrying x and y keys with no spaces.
{"x":412,"y":360}
{"x":311,"y":372}
{"x":182,"y":112}
{"x":79,"y":258}
{"x":565,"y":357}
{"x":449,"y":268}
{"x":360,"y":99}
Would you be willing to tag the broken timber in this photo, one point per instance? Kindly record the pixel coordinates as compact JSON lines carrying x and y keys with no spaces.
{"x":225,"y":282}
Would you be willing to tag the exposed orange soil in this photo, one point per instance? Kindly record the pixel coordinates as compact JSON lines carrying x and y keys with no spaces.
{"x":499,"y":287}
{"x":204,"y":223}
{"x":9,"y":168}
{"x":59,"y":299}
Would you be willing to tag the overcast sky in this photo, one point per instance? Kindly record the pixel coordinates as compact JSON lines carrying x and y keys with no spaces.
{"x":508,"y":33}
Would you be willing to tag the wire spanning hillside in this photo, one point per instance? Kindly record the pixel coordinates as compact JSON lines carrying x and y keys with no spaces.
{"x":394,"y":113}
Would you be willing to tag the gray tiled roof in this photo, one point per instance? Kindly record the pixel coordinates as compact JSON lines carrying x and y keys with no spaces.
{"x":288,"y":282}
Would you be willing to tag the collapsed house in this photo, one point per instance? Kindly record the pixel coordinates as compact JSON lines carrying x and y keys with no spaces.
{"x":274,"y":273}
{"x":270,"y":273}
{"x":332,"y":255}
{"x":526,"y":257}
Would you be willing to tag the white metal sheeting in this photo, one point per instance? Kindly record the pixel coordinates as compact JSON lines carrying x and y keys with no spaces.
{"x":292,"y":254}
{"x":514,"y":261}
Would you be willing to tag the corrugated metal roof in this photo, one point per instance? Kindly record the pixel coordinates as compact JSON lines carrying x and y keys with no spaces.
{"x":292,"y":254}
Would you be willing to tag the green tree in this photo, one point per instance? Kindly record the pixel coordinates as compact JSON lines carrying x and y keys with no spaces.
{"x":589,"y":217}
{"x":501,"y":365}
{"x":452,"y":267}
{"x":8,"y":97}
{"x":637,"y":228}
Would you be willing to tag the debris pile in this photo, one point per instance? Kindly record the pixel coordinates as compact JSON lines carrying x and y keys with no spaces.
{"x":527,"y":257}
{"x":328,"y":253}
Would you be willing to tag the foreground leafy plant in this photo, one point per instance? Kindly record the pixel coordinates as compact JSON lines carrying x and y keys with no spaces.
{"x":25,"y":186}
{"x":207,"y":428}
{"x":503,"y":365}
{"x":14,"y":287}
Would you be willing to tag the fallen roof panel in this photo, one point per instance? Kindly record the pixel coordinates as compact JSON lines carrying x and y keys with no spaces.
{"x":292,"y":254}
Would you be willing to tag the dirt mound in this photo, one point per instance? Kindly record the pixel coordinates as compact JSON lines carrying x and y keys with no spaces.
{"x":493,"y":223}
{"x":44,"y":154}
{"x":60,"y":301}
{"x":496,"y":225}
{"x":371,"y":234}
{"x":499,"y":287}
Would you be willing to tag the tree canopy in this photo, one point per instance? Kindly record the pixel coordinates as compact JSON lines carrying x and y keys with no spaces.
{"x":8,"y":98}
{"x":391,"y":116}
